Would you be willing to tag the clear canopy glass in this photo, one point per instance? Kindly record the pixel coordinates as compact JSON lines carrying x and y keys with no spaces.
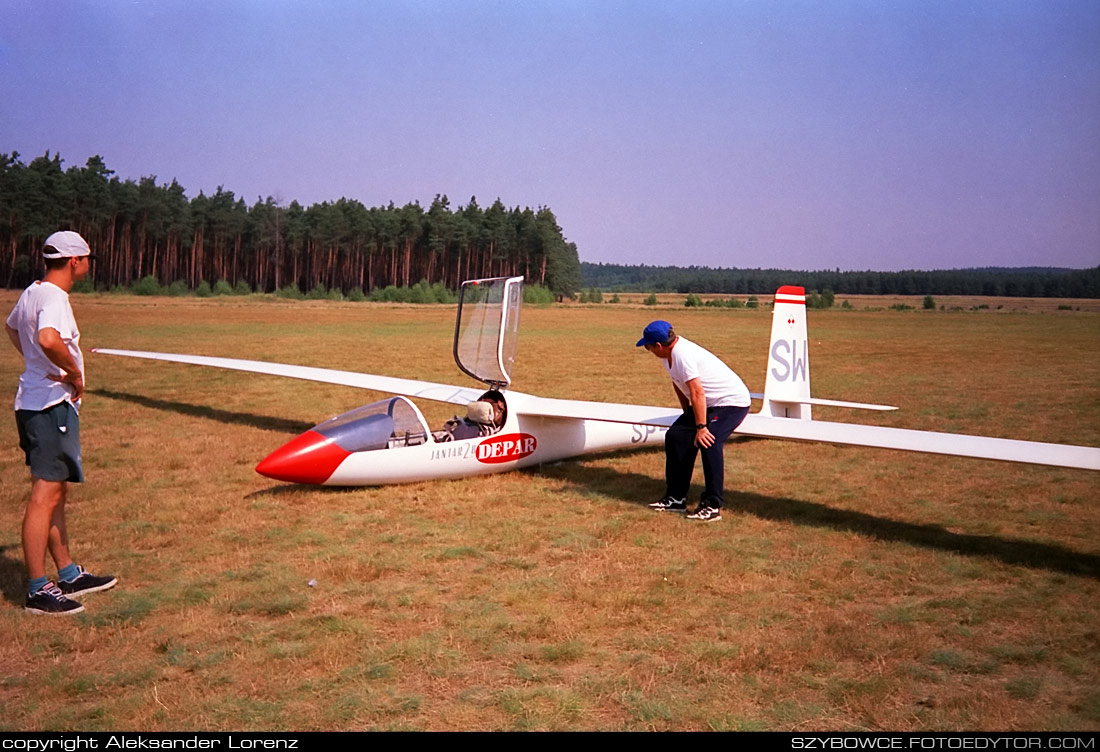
{"x":487,"y":329}
{"x":388,"y":423}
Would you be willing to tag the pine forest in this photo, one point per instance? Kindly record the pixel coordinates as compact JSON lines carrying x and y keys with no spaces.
{"x":141,"y":230}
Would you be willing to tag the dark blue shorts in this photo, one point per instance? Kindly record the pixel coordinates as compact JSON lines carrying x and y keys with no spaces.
{"x":51,"y":440}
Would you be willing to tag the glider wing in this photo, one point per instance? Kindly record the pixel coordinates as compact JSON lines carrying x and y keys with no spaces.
{"x":882,"y":437}
{"x":456,"y":395}
{"x":934,"y":442}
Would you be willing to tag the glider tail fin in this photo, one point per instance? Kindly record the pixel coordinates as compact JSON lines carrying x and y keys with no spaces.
{"x":787,"y":385}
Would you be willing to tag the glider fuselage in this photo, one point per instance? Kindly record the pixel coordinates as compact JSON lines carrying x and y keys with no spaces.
{"x":523,"y":441}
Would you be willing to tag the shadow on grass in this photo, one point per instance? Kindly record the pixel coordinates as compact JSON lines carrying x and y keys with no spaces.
{"x":282,"y":488}
{"x":266,"y":422}
{"x":13,"y":582}
{"x":1055,"y":558}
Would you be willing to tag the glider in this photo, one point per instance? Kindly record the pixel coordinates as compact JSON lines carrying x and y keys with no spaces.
{"x":390,"y":442}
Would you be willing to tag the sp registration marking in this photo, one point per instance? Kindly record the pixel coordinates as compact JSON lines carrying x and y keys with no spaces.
{"x":643,"y":434}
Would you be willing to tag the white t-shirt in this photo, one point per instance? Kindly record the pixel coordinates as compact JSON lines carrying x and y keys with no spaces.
{"x":722,"y":387}
{"x":44,"y":305}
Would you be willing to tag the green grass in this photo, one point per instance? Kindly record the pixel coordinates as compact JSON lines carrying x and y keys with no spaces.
{"x":1024,"y":688}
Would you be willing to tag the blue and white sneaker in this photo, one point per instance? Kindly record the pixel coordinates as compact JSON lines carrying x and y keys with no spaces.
{"x":669,"y":504}
{"x":49,"y":600}
{"x":87,"y":582}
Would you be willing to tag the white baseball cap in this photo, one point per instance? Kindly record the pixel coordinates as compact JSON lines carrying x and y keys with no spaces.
{"x":66,"y":244}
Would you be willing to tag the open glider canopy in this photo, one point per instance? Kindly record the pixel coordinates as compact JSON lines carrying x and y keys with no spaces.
{"x":487,"y":328}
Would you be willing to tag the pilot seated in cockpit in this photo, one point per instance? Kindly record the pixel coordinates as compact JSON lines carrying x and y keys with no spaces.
{"x":483,"y":418}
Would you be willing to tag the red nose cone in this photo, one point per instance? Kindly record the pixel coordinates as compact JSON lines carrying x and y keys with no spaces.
{"x":310,"y":458}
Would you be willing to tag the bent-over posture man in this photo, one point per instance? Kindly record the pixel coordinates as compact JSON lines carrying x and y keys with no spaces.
{"x":43,"y":330}
{"x":715,"y":401}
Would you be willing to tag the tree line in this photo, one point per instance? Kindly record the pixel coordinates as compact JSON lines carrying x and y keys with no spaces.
{"x":141,"y":229}
{"x":1023,"y":282}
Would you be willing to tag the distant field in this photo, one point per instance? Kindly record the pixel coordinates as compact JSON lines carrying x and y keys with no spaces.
{"x":875,"y":302}
{"x":844,"y":589}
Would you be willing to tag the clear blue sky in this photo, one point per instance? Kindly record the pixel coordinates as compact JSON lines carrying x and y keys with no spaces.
{"x":881,"y":134}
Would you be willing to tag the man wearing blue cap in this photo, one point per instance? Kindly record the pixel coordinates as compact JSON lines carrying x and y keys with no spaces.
{"x":715,"y":401}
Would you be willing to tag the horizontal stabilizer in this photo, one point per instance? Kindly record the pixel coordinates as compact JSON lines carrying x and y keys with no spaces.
{"x":828,"y":403}
{"x":841,"y":403}
{"x":405,"y":387}
{"x":933,"y":442}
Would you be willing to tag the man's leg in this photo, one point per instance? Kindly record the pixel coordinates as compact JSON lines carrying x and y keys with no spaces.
{"x":680,"y":453}
{"x":59,"y":533}
{"x":721,"y":421}
{"x":44,"y":527}
{"x":43,"y":435}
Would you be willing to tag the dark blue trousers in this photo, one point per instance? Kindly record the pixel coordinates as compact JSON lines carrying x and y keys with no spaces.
{"x":680,"y":452}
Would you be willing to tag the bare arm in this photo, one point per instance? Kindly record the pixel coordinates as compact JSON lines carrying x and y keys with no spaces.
{"x":53,"y":346}
{"x":685,"y":403}
{"x":13,"y":335}
{"x":703,"y":436}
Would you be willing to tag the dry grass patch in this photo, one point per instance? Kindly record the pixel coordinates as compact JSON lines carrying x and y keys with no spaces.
{"x":844,"y":588}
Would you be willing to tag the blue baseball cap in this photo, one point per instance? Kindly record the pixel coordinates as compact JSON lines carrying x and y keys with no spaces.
{"x":655,"y":334}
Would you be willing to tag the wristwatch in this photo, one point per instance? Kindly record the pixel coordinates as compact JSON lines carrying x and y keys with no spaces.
{"x":700,"y":425}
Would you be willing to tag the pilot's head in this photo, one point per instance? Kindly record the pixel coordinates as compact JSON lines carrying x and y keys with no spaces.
{"x":500,"y":407}
{"x":480,"y":412}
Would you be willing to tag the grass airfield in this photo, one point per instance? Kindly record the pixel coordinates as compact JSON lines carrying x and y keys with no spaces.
{"x":844,"y":589}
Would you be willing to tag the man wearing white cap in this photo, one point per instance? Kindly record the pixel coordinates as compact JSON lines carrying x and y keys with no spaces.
{"x":715,"y":401}
{"x":43,"y":330}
